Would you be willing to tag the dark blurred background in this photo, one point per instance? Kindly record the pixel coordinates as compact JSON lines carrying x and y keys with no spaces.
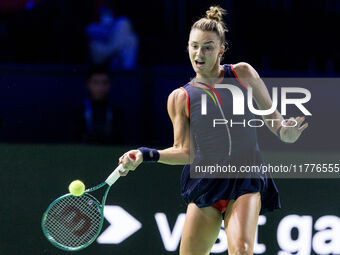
{"x":280,"y":35}
{"x":45,"y":55}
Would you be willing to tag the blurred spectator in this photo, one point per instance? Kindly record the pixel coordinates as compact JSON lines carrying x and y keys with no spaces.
{"x":113,"y":41}
{"x":98,"y":121}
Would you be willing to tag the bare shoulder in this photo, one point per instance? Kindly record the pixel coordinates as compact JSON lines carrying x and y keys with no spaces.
{"x":177,"y":101}
{"x":245,"y":70}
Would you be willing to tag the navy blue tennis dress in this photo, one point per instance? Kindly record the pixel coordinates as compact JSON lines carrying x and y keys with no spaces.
{"x":236,"y":146}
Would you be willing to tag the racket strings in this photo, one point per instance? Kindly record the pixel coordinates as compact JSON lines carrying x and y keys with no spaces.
{"x":73,"y":221}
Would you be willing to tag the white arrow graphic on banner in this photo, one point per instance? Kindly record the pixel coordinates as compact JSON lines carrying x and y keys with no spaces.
{"x":122,"y":225}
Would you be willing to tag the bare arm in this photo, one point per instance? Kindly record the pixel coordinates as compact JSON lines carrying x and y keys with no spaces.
{"x":250,"y":78}
{"x":179,"y":153}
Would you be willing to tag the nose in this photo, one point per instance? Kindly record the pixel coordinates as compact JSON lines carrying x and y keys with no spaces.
{"x":200,"y":52}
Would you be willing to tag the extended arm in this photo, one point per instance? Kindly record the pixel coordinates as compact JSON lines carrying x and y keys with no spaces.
{"x":180,"y":153}
{"x":250,"y":78}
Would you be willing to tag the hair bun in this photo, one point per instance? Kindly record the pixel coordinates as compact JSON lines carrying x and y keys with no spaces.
{"x":215,"y":13}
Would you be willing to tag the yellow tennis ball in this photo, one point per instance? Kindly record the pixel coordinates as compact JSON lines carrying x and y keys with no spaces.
{"x":76,"y":188}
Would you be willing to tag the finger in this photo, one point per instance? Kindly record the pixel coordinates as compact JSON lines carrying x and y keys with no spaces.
{"x":121,"y":158}
{"x":135,"y":155}
{"x":300,"y":120}
{"x":132,"y":156}
{"x":291,"y":122}
{"x":124,"y":162}
{"x":303,"y":127}
{"x":123,"y":173}
{"x":128,"y":161}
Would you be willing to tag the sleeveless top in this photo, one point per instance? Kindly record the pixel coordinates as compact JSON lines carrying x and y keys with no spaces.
{"x":234,"y":145}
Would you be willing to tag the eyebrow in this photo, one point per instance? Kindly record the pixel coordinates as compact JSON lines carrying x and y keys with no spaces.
{"x":205,"y":42}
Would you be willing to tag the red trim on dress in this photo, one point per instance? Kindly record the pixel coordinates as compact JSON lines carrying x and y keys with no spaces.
{"x":232,"y":68}
{"x":188,"y":101}
{"x":210,"y":88}
{"x":219,"y":99}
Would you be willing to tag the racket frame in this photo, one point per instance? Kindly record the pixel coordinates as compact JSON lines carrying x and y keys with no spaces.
{"x":113,"y":177}
{"x":99,"y":205}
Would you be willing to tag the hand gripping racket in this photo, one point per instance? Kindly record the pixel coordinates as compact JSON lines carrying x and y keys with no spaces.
{"x":73,"y":223}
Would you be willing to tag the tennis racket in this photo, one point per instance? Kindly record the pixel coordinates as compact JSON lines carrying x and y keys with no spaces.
{"x":72,"y":223}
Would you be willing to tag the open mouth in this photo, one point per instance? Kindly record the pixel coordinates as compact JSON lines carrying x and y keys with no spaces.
{"x":199,"y":63}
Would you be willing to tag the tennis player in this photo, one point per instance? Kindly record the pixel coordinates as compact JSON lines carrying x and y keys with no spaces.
{"x":238,"y":201}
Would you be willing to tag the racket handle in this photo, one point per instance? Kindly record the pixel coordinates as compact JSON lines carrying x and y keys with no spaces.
{"x":113,"y":177}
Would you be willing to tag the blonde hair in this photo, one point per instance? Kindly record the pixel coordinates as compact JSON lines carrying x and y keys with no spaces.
{"x":213,"y":22}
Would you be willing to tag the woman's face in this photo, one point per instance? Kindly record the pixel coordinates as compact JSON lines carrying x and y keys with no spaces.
{"x":205,"y":50}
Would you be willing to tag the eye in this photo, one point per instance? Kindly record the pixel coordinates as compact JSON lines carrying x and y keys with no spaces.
{"x":208,"y":48}
{"x":194,"y":47}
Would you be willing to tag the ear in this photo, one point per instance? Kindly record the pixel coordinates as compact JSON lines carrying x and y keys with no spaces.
{"x":221,"y":51}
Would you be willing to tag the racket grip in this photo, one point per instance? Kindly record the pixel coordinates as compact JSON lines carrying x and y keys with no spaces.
{"x":113,"y":177}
